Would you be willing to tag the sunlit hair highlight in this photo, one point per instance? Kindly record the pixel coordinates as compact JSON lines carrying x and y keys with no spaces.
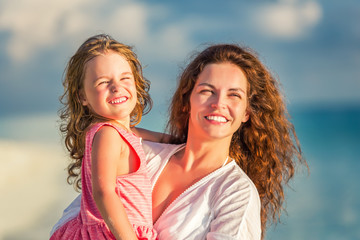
{"x":266,"y":146}
{"x":76,"y":118}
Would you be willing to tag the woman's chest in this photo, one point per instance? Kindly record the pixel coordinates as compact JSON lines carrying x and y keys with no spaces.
{"x":169,"y":186}
{"x":184,"y":214}
{"x":172,"y":183}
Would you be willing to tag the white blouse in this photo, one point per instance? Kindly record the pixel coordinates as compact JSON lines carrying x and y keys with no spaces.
{"x":223,"y":205}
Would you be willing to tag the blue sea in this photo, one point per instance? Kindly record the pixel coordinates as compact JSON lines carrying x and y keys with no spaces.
{"x":322,"y":204}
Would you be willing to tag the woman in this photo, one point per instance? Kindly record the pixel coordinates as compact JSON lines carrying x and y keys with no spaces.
{"x":226,"y":181}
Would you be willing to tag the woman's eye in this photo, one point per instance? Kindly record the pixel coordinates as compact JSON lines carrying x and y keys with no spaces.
{"x":235,"y":95}
{"x":206,"y":91}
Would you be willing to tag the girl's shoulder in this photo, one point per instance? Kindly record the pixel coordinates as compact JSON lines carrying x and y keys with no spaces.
{"x":116,"y":132}
{"x":94,"y":128}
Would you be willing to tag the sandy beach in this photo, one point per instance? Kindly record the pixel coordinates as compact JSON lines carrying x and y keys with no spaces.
{"x":33,"y":188}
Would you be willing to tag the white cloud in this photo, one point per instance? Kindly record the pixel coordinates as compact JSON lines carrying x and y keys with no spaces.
{"x":130,"y":22}
{"x":39,"y":24}
{"x":171,"y":42}
{"x":33,"y":24}
{"x":288,"y":19}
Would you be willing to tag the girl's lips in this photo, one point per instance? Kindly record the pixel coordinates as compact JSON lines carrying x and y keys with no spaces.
{"x":118,"y":100}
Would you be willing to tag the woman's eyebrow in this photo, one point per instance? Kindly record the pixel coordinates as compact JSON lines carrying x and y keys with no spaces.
{"x":237,"y":90}
{"x":231,"y":89}
{"x":206,"y":84}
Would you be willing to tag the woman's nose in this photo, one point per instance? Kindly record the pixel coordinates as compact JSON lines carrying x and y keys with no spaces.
{"x":218,"y":102}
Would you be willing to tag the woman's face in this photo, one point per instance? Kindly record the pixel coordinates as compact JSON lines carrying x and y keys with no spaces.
{"x":218,"y":102}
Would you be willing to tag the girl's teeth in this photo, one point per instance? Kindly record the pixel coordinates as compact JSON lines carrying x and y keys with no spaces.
{"x":216,"y":118}
{"x":119,"y":100}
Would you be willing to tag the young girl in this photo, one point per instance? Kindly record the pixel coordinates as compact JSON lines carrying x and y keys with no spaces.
{"x":106,"y":94}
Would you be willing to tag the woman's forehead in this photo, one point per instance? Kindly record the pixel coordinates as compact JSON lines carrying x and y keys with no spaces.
{"x":222,"y":74}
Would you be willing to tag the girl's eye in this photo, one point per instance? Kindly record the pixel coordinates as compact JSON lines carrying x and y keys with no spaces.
{"x":127,"y":77}
{"x":103,"y":82}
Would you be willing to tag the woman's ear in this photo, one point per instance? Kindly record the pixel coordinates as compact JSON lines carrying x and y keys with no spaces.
{"x":246,"y":116}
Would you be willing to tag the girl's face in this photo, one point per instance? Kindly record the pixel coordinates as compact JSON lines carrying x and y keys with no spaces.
{"x":109,"y":87}
{"x":218,"y":102}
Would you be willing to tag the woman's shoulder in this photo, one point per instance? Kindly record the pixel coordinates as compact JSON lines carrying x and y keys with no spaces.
{"x":157,"y":155}
{"x":153,"y":149}
{"x":235,"y":186}
{"x":236,"y":202}
{"x":241,"y":179}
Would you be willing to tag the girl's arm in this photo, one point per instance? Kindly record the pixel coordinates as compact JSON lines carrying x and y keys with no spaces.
{"x":151,"y":136}
{"x":107,"y":161}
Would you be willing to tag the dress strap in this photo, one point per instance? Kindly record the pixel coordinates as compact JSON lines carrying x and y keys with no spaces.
{"x":225,"y":161}
{"x":129,"y":137}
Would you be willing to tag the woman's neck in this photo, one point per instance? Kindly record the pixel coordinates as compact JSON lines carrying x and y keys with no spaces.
{"x":203,"y":154}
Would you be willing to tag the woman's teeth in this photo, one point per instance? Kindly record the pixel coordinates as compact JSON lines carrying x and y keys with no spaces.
{"x":216,"y":118}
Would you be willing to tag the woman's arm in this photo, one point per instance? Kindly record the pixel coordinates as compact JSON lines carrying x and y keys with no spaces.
{"x":107,"y":161}
{"x":151,"y":136}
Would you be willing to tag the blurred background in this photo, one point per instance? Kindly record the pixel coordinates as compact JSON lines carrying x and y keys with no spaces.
{"x":313,"y":46}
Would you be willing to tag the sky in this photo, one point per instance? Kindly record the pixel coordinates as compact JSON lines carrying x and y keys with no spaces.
{"x":311,"y":46}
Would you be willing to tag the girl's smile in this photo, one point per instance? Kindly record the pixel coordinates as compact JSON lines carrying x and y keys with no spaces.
{"x":109,"y":87}
{"x":118,"y":100}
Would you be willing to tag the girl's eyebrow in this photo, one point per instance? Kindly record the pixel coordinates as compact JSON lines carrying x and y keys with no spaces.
{"x":127,"y":73}
{"x":106,"y":76}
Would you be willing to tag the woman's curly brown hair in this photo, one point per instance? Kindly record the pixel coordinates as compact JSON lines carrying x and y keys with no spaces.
{"x":266,"y":146}
{"x":76,"y":118}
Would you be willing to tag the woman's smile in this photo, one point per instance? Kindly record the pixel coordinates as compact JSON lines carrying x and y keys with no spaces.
{"x":216,"y":118}
{"x":218,"y":102}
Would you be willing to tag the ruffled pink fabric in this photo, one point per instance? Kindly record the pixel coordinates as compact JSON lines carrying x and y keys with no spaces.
{"x":133,"y":189}
{"x":75,"y":230}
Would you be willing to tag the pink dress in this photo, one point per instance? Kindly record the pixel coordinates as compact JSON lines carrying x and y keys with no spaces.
{"x":134,"y":190}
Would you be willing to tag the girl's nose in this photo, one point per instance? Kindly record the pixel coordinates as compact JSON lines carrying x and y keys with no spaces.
{"x":114,"y":87}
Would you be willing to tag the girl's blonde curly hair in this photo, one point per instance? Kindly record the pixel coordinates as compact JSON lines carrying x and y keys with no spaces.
{"x":76,"y":118}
